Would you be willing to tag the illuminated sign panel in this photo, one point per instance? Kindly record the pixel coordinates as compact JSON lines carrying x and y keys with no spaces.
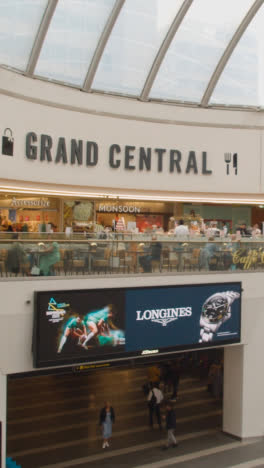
{"x":108,"y":324}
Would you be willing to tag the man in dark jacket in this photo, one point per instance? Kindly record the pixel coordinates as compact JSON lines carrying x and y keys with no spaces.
{"x":171,"y":426}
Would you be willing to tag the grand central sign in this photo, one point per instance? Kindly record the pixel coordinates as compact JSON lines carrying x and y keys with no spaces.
{"x":129,"y":157}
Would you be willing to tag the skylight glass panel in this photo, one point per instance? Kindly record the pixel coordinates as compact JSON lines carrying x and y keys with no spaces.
{"x":133,"y":45}
{"x":19,"y":24}
{"x":241,"y":82}
{"x":196,"y":49}
{"x":72,"y":38}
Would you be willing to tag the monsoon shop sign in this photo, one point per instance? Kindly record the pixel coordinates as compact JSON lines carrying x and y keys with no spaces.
{"x":118,"y":209}
{"x":131,"y":158}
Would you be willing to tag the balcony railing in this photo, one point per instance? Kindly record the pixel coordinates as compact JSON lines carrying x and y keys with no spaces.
{"x":35,"y":254}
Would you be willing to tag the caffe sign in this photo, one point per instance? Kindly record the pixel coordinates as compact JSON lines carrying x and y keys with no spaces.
{"x":248,"y":259}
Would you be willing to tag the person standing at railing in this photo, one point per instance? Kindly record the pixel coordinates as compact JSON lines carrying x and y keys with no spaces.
{"x":49,"y":257}
{"x":244,"y":230}
{"x":15,"y":256}
{"x":153,"y":254}
{"x":212,"y":231}
{"x":181,"y":231}
{"x":256,"y":232}
{"x":207,"y":252}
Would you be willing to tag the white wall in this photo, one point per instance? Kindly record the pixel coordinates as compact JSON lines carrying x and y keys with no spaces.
{"x":244,"y":379}
{"x":16,"y":315}
{"x":33,"y":106}
{"x":106,"y":131}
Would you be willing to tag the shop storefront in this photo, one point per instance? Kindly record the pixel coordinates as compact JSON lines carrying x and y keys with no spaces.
{"x":231,"y":216}
{"x":29,"y":213}
{"x":47,"y":214}
{"x":134,"y":216}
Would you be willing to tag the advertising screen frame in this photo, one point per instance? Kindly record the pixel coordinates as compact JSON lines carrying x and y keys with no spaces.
{"x":38,"y":362}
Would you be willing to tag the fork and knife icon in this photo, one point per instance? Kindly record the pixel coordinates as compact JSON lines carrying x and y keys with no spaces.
{"x":231,"y":159}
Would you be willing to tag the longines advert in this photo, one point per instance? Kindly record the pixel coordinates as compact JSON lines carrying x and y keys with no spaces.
{"x":91,"y":325}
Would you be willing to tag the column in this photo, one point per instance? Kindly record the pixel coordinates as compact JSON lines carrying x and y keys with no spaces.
{"x":233,"y":390}
{"x":243,"y":373}
{"x":3,"y":394}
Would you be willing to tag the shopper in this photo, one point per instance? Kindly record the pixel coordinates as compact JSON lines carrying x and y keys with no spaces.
{"x":106,"y":420}
{"x":207,"y":253}
{"x":245,"y":231}
{"x":48,"y":258}
{"x":171,"y":426}
{"x":153,"y":254}
{"x":181,"y":231}
{"x":154,"y":399}
{"x":16,"y":256}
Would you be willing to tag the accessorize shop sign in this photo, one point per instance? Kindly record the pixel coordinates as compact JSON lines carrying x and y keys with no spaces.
{"x":108,"y":324}
{"x":28,"y":203}
{"x":128,"y":157}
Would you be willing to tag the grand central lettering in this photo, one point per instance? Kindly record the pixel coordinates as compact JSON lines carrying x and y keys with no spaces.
{"x":130,"y":158}
{"x":47,"y":152}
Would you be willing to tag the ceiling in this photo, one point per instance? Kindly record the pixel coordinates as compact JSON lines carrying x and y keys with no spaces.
{"x":204,"y":53}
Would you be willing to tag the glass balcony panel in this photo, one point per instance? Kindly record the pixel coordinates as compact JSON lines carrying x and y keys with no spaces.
{"x":37,"y":254}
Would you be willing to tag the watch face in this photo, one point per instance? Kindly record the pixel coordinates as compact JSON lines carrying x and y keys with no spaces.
{"x":215,"y":308}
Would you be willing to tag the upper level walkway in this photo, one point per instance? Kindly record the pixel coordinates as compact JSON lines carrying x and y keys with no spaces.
{"x":39,"y":254}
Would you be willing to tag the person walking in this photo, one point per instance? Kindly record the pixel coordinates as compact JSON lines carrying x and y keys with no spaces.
{"x":154,"y":399}
{"x":106,"y":420}
{"x":171,"y":426}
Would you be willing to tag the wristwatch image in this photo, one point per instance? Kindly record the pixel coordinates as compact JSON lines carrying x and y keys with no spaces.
{"x":216,"y":310}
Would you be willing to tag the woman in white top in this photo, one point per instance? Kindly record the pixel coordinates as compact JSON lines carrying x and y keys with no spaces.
{"x":155,"y":398}
{"x":181,"y":230}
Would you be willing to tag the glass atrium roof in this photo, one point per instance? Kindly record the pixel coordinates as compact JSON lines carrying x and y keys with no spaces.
{"x":198,"y":52}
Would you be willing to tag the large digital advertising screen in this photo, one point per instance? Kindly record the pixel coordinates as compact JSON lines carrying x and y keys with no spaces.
{"x":91,"y":325}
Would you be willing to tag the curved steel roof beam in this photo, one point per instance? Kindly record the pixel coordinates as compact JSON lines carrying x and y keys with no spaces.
{"x":164,"y":48}
{"x":228,"y":52}
{"x":101,"y":44}
{"x":40,"y":37}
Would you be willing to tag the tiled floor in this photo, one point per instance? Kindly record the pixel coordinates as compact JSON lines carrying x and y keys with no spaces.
{"x":53,"y":423}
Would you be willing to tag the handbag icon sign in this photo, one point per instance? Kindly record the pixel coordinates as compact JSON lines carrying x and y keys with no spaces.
{"x":8,"y":142}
